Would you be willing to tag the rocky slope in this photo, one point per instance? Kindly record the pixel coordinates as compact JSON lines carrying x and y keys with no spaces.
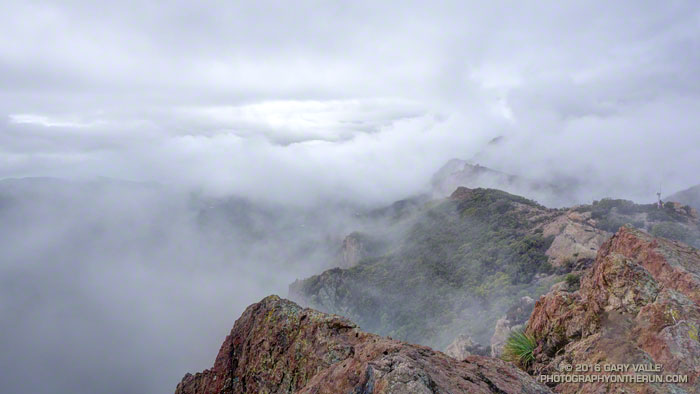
{"x":278,"y":347}
{"x":459,"y":264}
{"x":638,"y":304}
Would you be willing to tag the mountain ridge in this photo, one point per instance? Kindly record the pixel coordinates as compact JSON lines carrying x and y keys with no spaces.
{"x":477,"y":252}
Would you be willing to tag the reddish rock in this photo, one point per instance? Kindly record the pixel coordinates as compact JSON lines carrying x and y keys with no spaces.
{"x":278,"y":347}
{"x":673,"y":264}
{"x":638,"y":304}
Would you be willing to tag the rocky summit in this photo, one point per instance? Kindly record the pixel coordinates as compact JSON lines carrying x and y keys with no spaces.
{"x":639,"y":304}
{"x":278,"y":347}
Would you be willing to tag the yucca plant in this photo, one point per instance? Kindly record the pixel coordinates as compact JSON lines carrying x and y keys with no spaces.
{"x":519,"y":348}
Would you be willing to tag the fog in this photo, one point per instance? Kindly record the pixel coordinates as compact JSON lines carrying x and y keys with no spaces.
{"x":346,"y":99}
{"x":241,"y":139}
{"x":116,"y":287}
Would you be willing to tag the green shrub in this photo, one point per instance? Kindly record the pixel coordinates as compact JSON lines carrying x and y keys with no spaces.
{"x":519,"y":348}
{"x":573,"y":281}
{"x":605,"y":206}
{"x":670,"y":230}
{"x":611,"y":223}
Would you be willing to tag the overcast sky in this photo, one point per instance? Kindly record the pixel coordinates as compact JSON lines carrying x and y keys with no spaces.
{"x":350,"y":99}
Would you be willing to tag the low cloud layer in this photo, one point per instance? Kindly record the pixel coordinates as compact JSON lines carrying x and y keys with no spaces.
{"x":353,"y":99}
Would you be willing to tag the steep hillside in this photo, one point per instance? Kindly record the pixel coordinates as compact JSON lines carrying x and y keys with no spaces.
{"x":278,"y":347}
{"x":459,"y":264}
{"x":638,"y":304}
{"x":690,"y":196}
{"x":456,"y":265}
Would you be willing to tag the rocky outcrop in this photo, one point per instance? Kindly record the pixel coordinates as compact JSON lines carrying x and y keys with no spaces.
{"x":461,"y":193}
{"x":638,"y":304}
{"x":278,"y":347}
{"x":500,"y":335}
{"x":353,"y":250}
{"x":576,"y":239}
{"x":683,"y":209}
{"x":358,"y":246}
{"x":456,"y":173}
{"x":514,"y":319}
{"x":464,"y":346}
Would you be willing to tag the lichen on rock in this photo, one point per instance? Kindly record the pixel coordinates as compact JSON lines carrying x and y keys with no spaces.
{"x":278,"y":347}
{"x":639,"y":303}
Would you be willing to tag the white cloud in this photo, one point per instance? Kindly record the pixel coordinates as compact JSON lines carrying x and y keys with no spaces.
{"x":46,"y":121}
{"x":288,"y":121}
{"x":127,"y":85}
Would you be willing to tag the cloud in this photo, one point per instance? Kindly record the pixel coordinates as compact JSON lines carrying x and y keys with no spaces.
{"x":46,"y":121}
{"x":151,"y":79}
{"x":292,"y":121}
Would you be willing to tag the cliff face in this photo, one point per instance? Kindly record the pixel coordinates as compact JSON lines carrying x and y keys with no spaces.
{"x":358,"y":246}
{"x":278,"y":347}
{"x":638,"y":304}
{"x":352,"y":251}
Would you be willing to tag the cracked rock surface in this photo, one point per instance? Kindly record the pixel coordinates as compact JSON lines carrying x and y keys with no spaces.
{"x":638,"y":304}
{"x":278,"y":347}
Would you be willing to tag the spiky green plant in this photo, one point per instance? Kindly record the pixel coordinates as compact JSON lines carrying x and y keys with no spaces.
{"x":519,"y":348}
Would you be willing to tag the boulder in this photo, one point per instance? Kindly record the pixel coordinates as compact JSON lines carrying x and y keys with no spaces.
{"x":463,"y":346}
